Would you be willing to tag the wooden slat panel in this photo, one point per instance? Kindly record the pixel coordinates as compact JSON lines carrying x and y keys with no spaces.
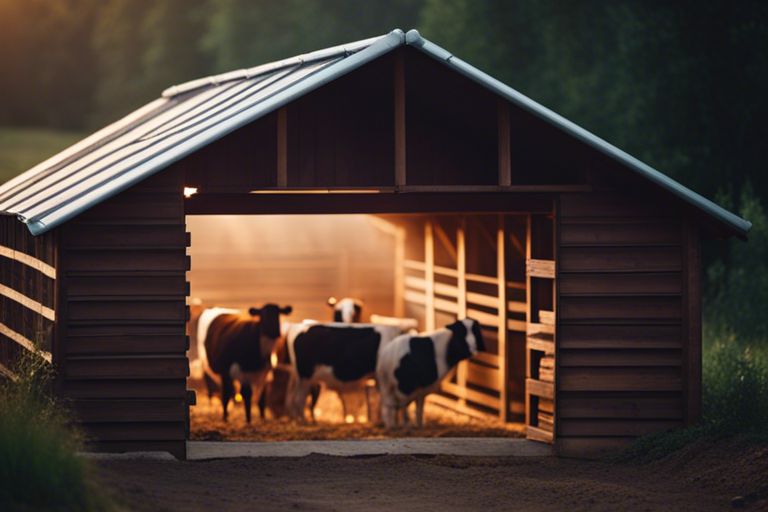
{"x":168,"y":431}
{"x":540,"y":388}
{"x":125,"y":388}
{"x":610,"y":285}
{"x":134,"y":310}
{"x":619,"y":379}
{"x":487,"y":319}
{"x":127,"y":368}
{"x":540,"y":268}
{"x":620,"y":259}
{"x":603,"y":357}
{"x":539,"y":434}
{"x":483,"y":376}
{"x":128,"y":286}
{"x":614,"y":428}
{"x":619,"y":336}
{"x":485,"y":357}
{"x":621,"y":407}
{"x":123,"y":206}
{"x":133,"y":411}
{"x":609,"y":204}
{"x":652,"y":309}
{"x":471,"y":395}
{"x":631,"y":234}
{"x":125,"y":236}
{"x":150,"y":260}
{"x":543,"y":345}
{"x":149,"y":344}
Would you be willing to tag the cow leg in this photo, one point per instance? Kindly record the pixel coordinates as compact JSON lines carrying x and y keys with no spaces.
{"x":343,"y":406}
{"x":263,"y":403}
{"x":299,"y":399}
{"x":314,"y":394}
{"x":210,"y":385}
{"x":406,"y":416}
{"x":227,"y":392}
{"x":247,"y":392}
{"x":420,"y":411}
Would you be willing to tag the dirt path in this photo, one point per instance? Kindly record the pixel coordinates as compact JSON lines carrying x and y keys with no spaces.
{"x":691,"y":481}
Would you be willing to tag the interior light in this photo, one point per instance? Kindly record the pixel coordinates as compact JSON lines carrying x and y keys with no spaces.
{"x":190,"y":191}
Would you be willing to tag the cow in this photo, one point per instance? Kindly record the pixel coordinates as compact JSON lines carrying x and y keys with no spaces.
{"x":413,"y":365}
{"x":341,"y":356}
{"x":346,"y":310}
{"x":237,"y":347}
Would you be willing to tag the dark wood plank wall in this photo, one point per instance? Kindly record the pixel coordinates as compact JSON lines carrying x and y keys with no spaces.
{"x":27,"y":293}
{"x":123,"y":313}
{"x":621,"y":326}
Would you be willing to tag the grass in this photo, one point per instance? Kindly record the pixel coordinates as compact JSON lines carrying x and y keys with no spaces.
{"x":39,"y":465}
{"x":22,"y":148}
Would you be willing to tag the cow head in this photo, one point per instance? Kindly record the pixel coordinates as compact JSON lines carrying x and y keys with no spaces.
{"x":270,"y":318}
{"x":466,"y":340}
{"x":346,"y":310}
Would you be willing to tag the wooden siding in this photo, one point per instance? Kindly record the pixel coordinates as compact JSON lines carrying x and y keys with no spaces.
{"x":123,"y":310}
{"x":27,"y":293}
{"x":622,"y":321}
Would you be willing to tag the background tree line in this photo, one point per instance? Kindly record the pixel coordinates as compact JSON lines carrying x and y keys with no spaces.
{"x":681,"y":85}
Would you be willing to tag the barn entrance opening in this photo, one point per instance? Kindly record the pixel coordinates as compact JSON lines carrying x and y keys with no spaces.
{"x":421,"y":269}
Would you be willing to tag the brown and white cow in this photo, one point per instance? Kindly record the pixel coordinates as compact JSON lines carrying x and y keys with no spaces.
{"x":413,"y":365}
{"x":347,"y":310}
{"x":234,"y":346}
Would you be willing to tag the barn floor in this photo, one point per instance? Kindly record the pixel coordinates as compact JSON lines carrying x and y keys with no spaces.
{"x":206,"y":424}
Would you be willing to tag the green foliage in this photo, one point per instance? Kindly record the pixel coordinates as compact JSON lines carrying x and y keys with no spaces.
{"x":21,"y":148}
{"x":39,"y":468}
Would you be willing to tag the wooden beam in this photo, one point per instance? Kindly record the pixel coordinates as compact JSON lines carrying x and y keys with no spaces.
{"x":501,"y":276}
{"x":692,"y":322}
{"x":282,"y":147}
{"x":461,"y":295}
{"x":399,"y":100}
{"x":29,"y":261}
{"x":400,"y":241}
{"x":505,"y":164}
{"x":443,"y":236}
{"x":429,"y":276}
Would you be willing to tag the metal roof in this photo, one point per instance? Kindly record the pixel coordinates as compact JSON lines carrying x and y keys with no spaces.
{"x":192,"y":115}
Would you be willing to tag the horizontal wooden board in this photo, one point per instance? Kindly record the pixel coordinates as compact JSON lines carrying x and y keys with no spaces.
{"x":167,"y":431}
{"x":620,"y":259}
{"x":595,"y":309}
{"x":540,"y":268}
{"x":540,"y":388}
{"x":621,"y":406}
{"x":483,"y":376}
{"x":639,"y":335}
{"x":138,"y":205}
{"x":133,"y":410}
{"x":128,"y":236}
{"x":630,"y":234}
{"x":99,"y":286}
{"x":120,"y":344}
{"x":613,"y":428}
{"x":135,"y":310}
{"x":127,"y":367}
{"x":619,"y":379}
{"x":129,"y":260}
{"x":610,"y":204}
{"x":620,"y":357}
{"x":539,"y":434}
{"x":125,"y":388}
{"x":470,"y":394}
{"x":616,"y":285}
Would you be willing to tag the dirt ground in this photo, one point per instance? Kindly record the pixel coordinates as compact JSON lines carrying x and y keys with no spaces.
{"x":206,"y":424}
{"x":704,"y":477}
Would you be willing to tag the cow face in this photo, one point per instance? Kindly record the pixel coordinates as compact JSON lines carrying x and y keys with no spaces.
{"x":346,"y":310}
{"x":270,"y":318}
{"x":467,"y":335}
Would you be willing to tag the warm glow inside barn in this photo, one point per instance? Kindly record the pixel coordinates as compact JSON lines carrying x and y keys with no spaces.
{"x":386,"y":169}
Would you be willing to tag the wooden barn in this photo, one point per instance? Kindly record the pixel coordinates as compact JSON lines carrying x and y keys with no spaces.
{"x":582,"y":263}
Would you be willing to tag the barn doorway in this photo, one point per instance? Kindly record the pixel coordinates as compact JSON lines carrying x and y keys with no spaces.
{"x":427,"y":267}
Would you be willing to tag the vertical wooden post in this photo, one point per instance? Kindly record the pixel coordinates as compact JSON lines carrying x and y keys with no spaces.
{"x":461,"y":299}
{"x":429,"y":275}
{"x":399,"y":271}
{"x":528,"y":310}
{"x":501,"y":276}
{"x":282,"y":147}
{"x":692,"y":322}
{"x":505,"y":164}
{"x":400,"y":179}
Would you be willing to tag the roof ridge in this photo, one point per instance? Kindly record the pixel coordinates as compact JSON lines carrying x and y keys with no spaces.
{"x":270,"y":67}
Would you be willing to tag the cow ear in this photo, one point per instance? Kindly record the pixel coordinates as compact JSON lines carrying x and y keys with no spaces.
{"x":332,"y":301}
{"x":254,"y":311}
{"x":286,"y":310}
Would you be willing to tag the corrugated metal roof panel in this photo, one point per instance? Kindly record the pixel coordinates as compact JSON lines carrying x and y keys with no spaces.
{"x":191,"y":115}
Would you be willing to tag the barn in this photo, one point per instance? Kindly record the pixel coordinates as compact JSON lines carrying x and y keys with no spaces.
{"x":581,"y":262}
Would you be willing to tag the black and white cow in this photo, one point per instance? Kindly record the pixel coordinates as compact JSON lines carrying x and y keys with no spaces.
{"x":412,"y":365}
{"x":238,"y":346}
{"x":346,"y":310}
{"x":340,"y":356}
